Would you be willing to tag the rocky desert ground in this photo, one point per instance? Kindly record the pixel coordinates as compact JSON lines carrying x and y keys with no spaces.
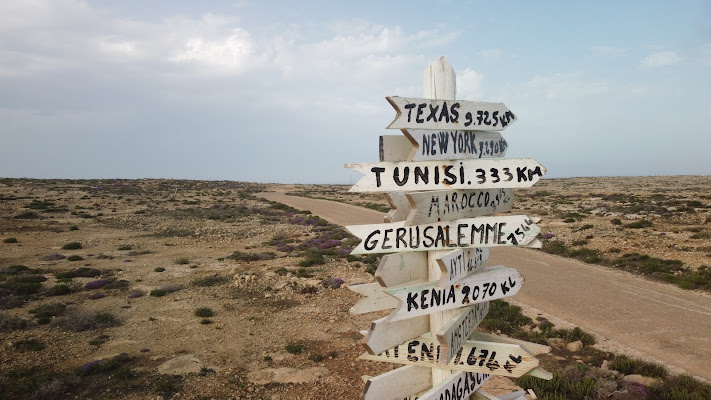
{"x":134,"y":289}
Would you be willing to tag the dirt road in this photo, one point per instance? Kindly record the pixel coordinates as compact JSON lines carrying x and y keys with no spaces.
{"x":647,"y":319}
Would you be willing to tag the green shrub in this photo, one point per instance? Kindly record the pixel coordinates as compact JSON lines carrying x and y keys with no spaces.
{"x":158,"y":269}
{"x":642,"y":223}
{"x":125,"y":247}
{"x":45,"y":312}
{"x":11,"y":323}
{"x":29,"y":345}
{"x":27,"y":215}
{"x":629,"y":366}
{"x":616,"y":221}
{"x":240,"y":256}
{"x":72,"y":246}
{"x":312,"y":258}
{"x":10,"y":240}
{"x":168,"y":384}
{"x":682,"y":387}
{"x":205,"y":321}
{"x":59,"y":290}
{"x":75,"y":258}
{"x":204,"y":312}
{"x":504,"y":317}
{"x":557,"y":247}
{"x":24,"y":284}
{"x":211,"y":280}
{"x":294,"y":348}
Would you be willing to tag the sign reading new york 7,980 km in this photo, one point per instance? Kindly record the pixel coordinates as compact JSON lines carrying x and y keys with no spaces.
{"x":449,"y":114}
{"x":439,"y":175}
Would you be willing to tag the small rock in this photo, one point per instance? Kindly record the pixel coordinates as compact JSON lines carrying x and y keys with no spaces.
{"x":605,"y":365}
{"x":642,"y":380}
{"x":574,"y":346}
{"x":558,"y":343}
{"x":286,"y":375}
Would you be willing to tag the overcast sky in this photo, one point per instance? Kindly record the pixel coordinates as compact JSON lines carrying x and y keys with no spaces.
{"x":272,"y":91}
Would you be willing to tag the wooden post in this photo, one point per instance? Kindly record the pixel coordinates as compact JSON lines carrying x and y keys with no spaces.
{"x":439,"y":82}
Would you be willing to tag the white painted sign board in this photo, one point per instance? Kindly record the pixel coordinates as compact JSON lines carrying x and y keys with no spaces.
{"x":509,"y":230}
{"x":474,"y":356}
{"x":414,"y":113}
{"x":491,"y":173}
{"x":438,"y":205}
{"x":490,"y":283}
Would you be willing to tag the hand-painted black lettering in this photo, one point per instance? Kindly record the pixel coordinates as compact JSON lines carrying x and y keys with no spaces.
{"x":377,"y":171}
{"x":454,"y":118}
{"x":445,"y":113}
{"x":409,"y":108}
{"x":450,"y":179}
{"x":420,"y":110}
{"x":406,"y":175}
{"x":433,"y":112}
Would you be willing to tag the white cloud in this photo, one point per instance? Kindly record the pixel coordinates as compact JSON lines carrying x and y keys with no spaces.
{"x":231,"y":52}
{"x":469,"y":85}
{"x":660,"y":59}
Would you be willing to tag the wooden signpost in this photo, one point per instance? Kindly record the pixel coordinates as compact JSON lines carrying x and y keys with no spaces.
{"x":444,"y":180}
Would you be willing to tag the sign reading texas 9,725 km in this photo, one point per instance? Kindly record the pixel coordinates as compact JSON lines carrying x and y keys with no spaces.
{"x":449,"y":114}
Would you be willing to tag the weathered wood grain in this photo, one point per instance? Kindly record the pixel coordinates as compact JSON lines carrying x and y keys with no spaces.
{"x":398,"y":383}
{"x":375,"y":299}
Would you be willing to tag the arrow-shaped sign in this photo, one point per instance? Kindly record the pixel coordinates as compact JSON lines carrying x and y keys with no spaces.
{"x":385,"y":334}
{"x":482,"y":395}
{"x":492,"y":173}
{"x":413,"y":113}
{"x":491,"y":283}
{"x":437,"y":145}
{"x":510,"y":230}
{"x":399,"y":268}
{"x":458,"y":385}
{"x":416,"y":208}
{"x":398,"y":383}
{"x":456,"y":331}
{"x":475,"y":356}
{"x":457,"y":264}
{"x":431,"y":145}
{"x":375,"y":298}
